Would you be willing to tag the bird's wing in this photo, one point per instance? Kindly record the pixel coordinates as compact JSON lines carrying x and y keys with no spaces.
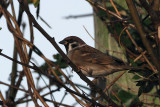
{"x":92,"y":55}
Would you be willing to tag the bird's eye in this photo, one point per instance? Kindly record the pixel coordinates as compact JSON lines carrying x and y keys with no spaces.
{"x":70,"y":41}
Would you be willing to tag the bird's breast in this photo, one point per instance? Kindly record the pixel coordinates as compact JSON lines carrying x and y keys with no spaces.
{"x":75,"y":57}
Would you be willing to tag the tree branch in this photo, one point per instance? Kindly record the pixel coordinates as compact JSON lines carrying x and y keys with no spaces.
{"x":52,"y":41}
{"x":142,"y":34}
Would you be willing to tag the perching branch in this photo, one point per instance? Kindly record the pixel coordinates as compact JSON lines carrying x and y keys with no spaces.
{"x":52,"y":41}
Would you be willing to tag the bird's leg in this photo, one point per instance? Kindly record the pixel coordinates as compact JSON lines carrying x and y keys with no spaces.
{"x":95,"y":80}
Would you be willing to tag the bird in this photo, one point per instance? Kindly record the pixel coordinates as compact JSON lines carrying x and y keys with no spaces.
{"x":91,"y":61}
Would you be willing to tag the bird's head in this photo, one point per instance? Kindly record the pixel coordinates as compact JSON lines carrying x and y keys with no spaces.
{"x":71,"y":42}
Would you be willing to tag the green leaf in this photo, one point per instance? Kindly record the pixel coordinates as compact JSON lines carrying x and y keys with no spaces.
{"x":145,"y":87}
{"x":134,"y":64}
{"x":60,"y":61}
{"x":44,"y":68}
{"x":136,"y":77}
{"x":126,"y":41}
{"x":148,"y":87}
{"x":35,"y":2}
{"x":101,"y":14}
{"x":0,"y":28}
{"x":125,"y":96}
{"x":136,"y":103}
{"x":140,"y":91}
{"x":158,"y":93}
{"x":140,"y":83}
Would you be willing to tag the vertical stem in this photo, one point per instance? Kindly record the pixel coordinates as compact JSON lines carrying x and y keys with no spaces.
{"x":12,"y":93}
{"x":142,"y":34}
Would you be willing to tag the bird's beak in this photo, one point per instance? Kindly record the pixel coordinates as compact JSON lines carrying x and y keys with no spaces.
{"x":63,"y":42}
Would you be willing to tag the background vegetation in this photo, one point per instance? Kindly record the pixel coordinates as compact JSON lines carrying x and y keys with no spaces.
{"x":127,"y":29}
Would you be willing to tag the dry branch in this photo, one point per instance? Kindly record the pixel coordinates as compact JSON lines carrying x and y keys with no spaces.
{"x":52,"y":41}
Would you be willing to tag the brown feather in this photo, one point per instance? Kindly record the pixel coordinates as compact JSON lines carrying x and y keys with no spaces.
{"x":92,"y":55}
{"x":91,"y":61}
{"x":95,"y":62}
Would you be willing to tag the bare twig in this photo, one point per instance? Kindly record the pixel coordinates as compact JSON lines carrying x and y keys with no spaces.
{"x":14,"y":87}
{"x":139,"y":27}
{"x":2,"y":98}
{"x":52,"y":41}
{"x":79,"y":16}
{"x":22,"y":54}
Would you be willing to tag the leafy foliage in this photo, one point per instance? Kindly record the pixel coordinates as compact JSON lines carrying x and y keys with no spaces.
{"x":134,"y":27}
{"x":58,"y":63}
{"x":128,"y":35}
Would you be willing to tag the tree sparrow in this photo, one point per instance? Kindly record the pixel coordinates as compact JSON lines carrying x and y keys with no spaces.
{"x":91,"y":61}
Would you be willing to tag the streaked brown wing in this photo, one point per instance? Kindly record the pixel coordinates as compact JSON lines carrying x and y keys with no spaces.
{"x":92,"y":55}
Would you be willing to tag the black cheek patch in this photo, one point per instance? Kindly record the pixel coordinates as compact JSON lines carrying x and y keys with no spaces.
{"x":74,"y":45}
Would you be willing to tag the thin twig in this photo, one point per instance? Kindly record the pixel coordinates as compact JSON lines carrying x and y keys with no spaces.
{"x":52,"y":41}
{"x":2,"y":98}
{"x":14,"y":87}
{"x":139,"y":27}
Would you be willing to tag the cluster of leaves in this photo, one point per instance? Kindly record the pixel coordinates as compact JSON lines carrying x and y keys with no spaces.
{"x":51,"y":68}
{"x":127,"y":98}
{"x":147,"y":80}
{"x":58,"y":62}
